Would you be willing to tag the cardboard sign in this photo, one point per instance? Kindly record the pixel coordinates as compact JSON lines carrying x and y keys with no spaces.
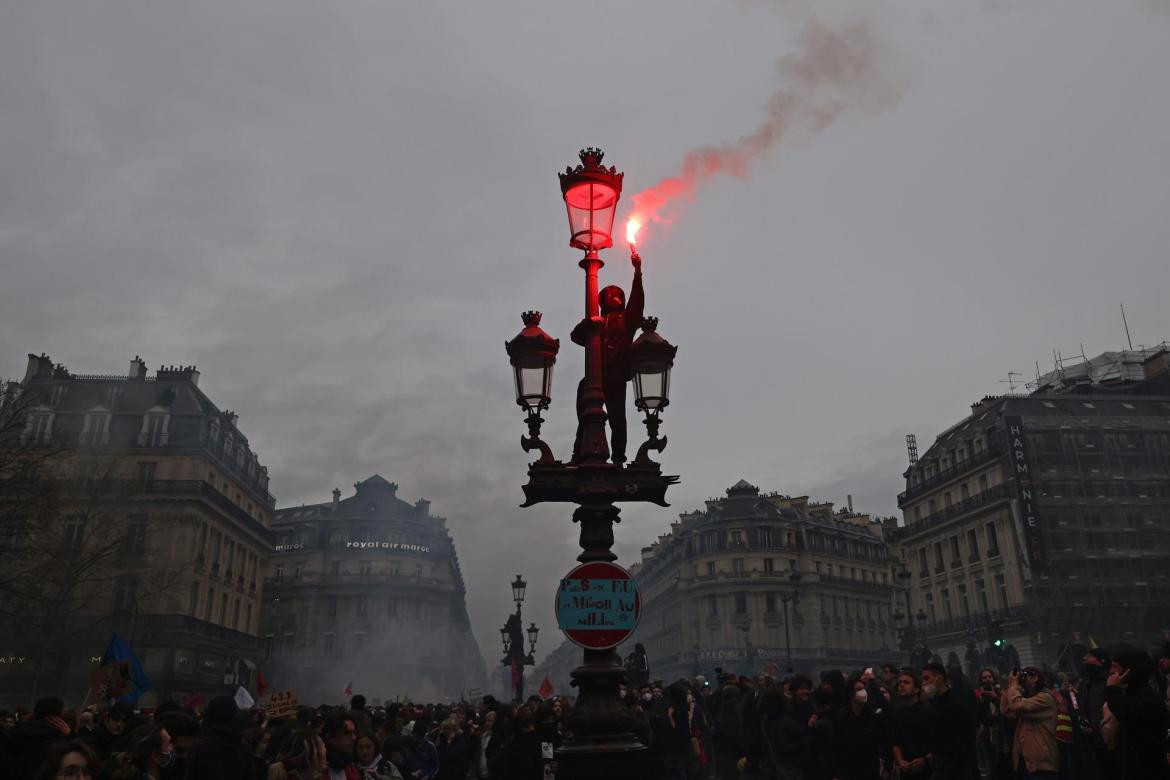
{"x":111,"y":681}
{"x":281,"y":704}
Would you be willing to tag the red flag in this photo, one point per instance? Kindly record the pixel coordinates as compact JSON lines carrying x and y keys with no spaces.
{"x":349,"y":688}
{"x":261,"y":684}
{"x":193,"y":701}
{"x":546,"y":688}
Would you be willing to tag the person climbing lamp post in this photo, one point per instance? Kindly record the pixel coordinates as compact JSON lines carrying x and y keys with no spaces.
{"x":600,"y":741}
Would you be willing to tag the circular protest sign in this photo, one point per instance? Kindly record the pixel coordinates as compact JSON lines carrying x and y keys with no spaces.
{"x":598,"y":605}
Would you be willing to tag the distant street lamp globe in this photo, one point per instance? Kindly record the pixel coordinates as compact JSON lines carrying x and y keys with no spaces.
{"x":518,"y":587}
{"x":532,"y":354}
{"x":651,"y":359}
{"x":506,"y":638}
{"x":591,"y":194}
{"x":532,"y":632}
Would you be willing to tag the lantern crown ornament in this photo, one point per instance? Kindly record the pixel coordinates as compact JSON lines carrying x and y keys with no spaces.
{"x":591,"y":193}
{"x":651,"y":359}
{"x":532,"y":354}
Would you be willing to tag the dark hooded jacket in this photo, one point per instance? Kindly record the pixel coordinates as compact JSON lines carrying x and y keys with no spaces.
{"x":27,"y":747}
{"x":221,"y":754}
{"x":1140,"y":748}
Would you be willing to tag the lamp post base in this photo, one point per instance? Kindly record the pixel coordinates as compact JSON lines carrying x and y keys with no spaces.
{"x":605,"y":739}
{"x":602,"y":741}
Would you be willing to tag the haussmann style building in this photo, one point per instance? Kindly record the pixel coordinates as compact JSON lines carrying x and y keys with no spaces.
{"x":150,"y":520}
{"x":756,"y":580}
{"x":367,"y":590}
{"x":1040,"y":522}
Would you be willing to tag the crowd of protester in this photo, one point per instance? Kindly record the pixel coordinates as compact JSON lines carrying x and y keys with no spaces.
{"x":914,"y":724}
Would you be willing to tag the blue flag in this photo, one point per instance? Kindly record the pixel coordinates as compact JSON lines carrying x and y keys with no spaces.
{"x":118,"y":651}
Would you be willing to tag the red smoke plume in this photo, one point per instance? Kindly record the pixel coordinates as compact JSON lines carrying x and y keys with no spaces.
{"x":831,"y":71}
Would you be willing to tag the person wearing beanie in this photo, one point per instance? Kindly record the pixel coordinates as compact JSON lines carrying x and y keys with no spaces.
{"x":1141,"y":716}
{"x":221,"y":754}
{"x":1034,"y":749}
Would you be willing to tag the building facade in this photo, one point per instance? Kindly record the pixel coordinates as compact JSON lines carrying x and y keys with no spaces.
{"x":367,"y":590}
{"x":1042,"y":522}
{"x":718,"y":589}
{"x":151,"y":521}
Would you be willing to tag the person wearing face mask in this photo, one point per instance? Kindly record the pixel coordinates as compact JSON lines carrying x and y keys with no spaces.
{"x":860,"y":740}
{"x":184,"y":731}
{"x":952,"y":736}
{"x":148,"y":754}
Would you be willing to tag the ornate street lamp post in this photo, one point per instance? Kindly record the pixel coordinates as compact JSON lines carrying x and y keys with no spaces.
{"x":903,"y":575}
{"x":512,"y":635}
{"x":600,"y":742}
{"x":793,"y":597}
{"x":746,"y":628}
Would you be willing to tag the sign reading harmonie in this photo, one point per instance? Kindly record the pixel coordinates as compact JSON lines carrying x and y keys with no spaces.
{"x":1020,"y":471}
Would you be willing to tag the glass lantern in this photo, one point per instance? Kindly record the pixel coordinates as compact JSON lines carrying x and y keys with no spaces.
{"x":651,"y":359}
{"x":518,"y":587}
{"x":532,"y":355}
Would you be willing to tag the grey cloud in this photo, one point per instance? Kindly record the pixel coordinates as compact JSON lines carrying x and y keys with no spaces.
{"x":338,"y":212}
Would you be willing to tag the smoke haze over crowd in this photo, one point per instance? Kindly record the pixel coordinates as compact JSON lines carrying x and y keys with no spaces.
{"x":338,"y":211}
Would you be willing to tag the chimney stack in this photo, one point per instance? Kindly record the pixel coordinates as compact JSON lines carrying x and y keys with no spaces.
{"x":137,"y":369}
{"x":39,"y":366}
{"x":336,"y":498}
{"x":423,"y":507}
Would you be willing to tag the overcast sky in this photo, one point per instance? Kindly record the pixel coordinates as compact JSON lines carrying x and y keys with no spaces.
{"x":338,"y":210}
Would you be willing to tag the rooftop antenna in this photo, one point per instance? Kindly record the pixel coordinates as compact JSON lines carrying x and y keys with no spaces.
{"x":912,"y":448}
{"x":1011,"y":381}
{"x":1126,"y":324}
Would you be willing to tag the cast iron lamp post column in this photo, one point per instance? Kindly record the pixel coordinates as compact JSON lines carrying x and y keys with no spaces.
{"x":794,"y":597}
{"x":903,"y":575}
{"x":600,"y":742}
{"x":746,"y":628}
{"x":512,"y":635}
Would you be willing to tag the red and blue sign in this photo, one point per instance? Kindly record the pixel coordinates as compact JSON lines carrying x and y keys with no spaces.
{"x":598,"y":605}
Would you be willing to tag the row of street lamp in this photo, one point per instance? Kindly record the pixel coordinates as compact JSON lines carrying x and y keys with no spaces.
{"x":512,"y":636}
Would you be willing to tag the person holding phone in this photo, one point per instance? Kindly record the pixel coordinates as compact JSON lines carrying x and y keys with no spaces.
{"x":1027,"y":701}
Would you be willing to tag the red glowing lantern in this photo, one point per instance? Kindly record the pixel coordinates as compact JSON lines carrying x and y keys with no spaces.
{"x":591,"y":194}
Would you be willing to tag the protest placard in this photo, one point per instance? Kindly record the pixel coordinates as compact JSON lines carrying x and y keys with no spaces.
{"x":281,"y":704}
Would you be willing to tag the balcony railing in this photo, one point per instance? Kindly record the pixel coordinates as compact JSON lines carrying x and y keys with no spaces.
{"x":947,"y":474}
{"x":977,"y":501}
